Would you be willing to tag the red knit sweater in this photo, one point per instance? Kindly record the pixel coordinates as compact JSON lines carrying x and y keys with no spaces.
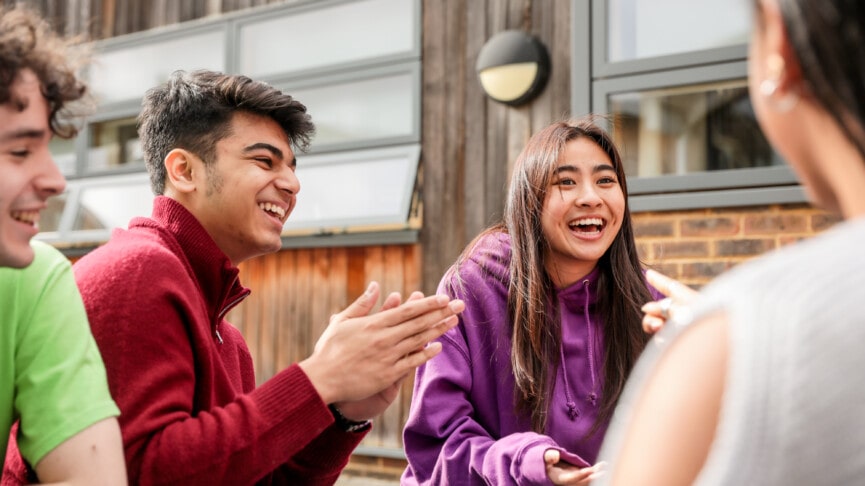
{"x":190,"y":413}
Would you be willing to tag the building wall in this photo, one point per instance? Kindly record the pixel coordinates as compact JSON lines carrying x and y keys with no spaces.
{"x":468,"y":146}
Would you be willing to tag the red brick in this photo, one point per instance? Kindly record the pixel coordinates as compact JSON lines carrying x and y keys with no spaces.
{"x":823,"y":221}
{"x":679,"y":249}
{"x":644,"y":250}
{"x":746,"y":247}
{"x":705,"y":270}
{"x":653,"y":227}
{"x":720,"y":226}
{"x":770,"y":224}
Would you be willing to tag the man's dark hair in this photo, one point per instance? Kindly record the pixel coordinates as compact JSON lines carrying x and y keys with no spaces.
{"x":193,"y":111}
{"x":27,"y":42}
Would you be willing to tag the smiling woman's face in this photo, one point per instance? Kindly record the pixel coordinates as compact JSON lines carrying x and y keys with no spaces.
{"x":583,"y":211}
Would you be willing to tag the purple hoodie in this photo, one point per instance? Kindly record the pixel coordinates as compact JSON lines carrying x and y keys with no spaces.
{"x":462,"y":428}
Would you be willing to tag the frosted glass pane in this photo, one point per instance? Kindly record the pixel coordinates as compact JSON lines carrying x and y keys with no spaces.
{"x":647,"y":28}
{"x":338,"y":34}
{"x":355,"y":188}
{"x":689,"y":129}
{"x":360,"y":110}
{"x":125,"y":74}
{"x":107,"y":207}
{"x":63,"y":153}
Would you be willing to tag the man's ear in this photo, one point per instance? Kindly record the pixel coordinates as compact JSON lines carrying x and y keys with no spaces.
{"x":181,"y":168}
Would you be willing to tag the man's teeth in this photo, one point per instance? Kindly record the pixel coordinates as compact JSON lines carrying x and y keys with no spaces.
{"x":273,"y":208}
{"x":29,"y":217}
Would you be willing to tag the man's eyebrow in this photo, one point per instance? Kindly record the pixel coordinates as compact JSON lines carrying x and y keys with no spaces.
{"x":23,"y":133}
{"x":266,"y":146}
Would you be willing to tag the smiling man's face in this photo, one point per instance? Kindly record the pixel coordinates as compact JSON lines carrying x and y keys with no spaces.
{"x":28,"y":175}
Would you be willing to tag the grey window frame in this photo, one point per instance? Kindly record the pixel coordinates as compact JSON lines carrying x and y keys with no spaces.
{"x":407,"y":61}
{"x":594,"y":79}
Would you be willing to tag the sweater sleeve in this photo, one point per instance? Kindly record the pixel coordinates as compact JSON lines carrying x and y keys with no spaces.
{"x":322,"y":461}
{"x":444,"y":444}
{"x":444,"y":440}
{"x":141,"y":318}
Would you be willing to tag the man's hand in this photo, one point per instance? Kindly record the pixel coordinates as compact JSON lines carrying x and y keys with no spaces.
{"x":360,"y":355}
{"x":374,"y":405}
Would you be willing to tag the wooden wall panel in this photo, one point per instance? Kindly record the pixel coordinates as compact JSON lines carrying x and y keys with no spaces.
{"x":469,"y":142}
{"x":294,"y":294}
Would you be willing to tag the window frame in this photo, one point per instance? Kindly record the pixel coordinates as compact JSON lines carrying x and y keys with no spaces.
{"x":595,"y":79}
{"x":230,"y":25}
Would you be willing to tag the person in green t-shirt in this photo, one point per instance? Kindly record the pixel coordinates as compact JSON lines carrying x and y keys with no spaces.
{"x":52,"y":379}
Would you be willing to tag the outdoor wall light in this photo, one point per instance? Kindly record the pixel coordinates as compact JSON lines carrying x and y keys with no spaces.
{"x":513,"y":67}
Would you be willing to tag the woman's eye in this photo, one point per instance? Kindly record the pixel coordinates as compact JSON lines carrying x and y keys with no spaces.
{"x":565,"y":182}
{"x":20,"y":153}
{"x":266,"y":161}
{"x":607,"y":180}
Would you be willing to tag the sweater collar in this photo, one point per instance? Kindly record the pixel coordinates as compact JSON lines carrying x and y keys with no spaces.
{"x":216,"y":276}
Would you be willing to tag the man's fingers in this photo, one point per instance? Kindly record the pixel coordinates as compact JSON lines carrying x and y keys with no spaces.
{"x":392,"y":300}
{"x":419,"y":357}
{"x":362,"y":305}
{"x":421,"y":311}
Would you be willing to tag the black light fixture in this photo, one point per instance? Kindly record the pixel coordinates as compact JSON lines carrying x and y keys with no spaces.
{"x":513,"y":67}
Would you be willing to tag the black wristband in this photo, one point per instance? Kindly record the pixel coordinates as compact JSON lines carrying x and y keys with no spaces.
{"x":346,"y":423}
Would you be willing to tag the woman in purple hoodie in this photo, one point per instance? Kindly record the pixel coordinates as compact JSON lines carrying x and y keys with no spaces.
{"x":526,"y":383}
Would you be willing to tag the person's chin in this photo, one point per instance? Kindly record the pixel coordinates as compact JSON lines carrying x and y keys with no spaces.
{"x":16,"y":257}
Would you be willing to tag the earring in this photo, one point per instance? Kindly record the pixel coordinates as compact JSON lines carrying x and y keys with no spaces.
{"x":781,"y":103}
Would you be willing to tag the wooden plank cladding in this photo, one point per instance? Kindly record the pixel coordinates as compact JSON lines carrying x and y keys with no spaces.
{"x":469,"y":142}
{"x":294,"y":293}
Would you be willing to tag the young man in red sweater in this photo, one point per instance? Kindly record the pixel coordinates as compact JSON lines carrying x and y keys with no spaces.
{"x":219,"y":150}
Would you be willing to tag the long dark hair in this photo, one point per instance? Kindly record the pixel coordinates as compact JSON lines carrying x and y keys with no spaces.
{"x":532,"y":307}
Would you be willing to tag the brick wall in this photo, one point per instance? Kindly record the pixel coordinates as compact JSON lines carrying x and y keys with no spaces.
{"x":695,"y":246}
{"x":692,"y":246}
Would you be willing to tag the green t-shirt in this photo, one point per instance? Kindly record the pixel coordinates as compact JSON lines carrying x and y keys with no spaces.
{"x":51,"y":374}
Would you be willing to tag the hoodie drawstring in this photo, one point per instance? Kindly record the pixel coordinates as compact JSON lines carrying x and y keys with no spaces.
{"x":573,"y":412}
{"x":593,"y":397}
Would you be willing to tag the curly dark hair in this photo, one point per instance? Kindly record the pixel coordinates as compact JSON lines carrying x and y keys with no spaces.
{"x":28,"y":42}
{"x":193,"y":111}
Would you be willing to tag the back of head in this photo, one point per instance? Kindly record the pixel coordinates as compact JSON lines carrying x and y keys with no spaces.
{"x":828,"y":37}
{"x":193,"y":111}
{"x":28,"y":43}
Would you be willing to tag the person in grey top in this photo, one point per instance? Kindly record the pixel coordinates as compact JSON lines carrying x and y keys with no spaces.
{"x":761,"y":384}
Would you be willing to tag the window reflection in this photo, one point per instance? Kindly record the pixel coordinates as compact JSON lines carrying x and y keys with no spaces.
{"x":638,"y":29}
{"x":108,"y":207}
{"x":49,"y":218}
{"x":113,"y":144}
{"x":690,"y":129}
{"x":63,"y":153}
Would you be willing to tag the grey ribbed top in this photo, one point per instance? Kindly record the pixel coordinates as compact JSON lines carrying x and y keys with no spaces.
{"x":794,"y":403}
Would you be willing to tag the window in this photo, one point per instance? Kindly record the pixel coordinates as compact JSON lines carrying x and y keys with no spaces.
{"x":671,"y":76}
{"x":354,"y":63}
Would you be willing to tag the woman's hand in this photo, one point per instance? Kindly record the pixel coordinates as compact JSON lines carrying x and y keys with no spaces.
{"x":562,"y":473}
{"x":679,"y":298}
